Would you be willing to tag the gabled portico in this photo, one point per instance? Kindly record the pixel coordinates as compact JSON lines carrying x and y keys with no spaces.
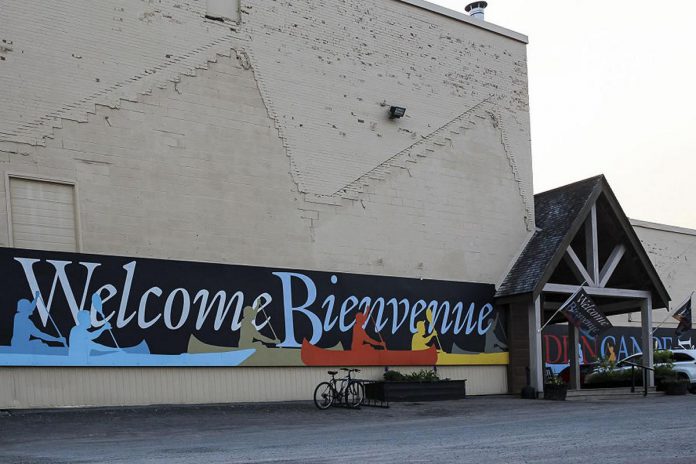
{"x":583,"y":239}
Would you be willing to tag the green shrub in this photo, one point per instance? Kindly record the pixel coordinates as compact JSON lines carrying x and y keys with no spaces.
{"x":393,"y":376}
{"x":663,"y":357}
{"x":614,"y":376}
{"x":424,"y":375}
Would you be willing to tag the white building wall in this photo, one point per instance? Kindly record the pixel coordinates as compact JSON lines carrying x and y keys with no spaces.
{"x":279,"y":152}
{"x":24,"y":387}
{"x":672,"y":251}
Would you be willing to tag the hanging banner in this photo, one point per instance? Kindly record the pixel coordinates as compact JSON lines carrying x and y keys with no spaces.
{"x":66,"y":309}
{"x":584,"y":314}
{"x":683,"y":315}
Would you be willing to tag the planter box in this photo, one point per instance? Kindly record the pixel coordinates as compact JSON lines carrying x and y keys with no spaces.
{"x":676,"y":388}
{"x":416,"y":391}
{"x":555,"y":392}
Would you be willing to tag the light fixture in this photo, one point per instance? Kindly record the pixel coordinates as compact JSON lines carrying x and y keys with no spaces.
{"x":396,"y":112}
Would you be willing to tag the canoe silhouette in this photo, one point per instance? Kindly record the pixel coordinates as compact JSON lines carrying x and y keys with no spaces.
{"x":471,"y":359}
{"x":315,"y":356}
{"x":264,"y":356}
{"x":39,"y":348}
{"x":124,"y":358}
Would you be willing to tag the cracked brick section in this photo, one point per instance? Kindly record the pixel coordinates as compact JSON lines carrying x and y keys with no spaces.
{"x":672,"y":250}
{"x":83,"y":53}
{"x":434,"y":194}
{"x":331,"y":70}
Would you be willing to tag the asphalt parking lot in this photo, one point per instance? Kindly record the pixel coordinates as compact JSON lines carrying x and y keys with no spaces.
{"x":478,"y":429}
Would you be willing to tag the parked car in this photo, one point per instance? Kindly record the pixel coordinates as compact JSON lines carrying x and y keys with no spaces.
{"x":684,"y":365}
{"x":585,"y":369}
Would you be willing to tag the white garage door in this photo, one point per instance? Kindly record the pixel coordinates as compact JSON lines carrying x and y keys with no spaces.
{"x":43,"y":215}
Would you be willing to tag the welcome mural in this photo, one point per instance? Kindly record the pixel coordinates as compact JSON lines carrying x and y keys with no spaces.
{"x":67,"y":309}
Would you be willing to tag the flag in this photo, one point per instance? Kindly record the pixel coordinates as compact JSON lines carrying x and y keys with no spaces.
{"x":584,"y":314}
{"x":683,"y":315}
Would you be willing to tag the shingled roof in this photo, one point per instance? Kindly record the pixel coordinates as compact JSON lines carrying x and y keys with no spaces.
{"x":559,"y":215}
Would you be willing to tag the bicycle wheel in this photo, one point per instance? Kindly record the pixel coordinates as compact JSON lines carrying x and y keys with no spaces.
{"x":323,"y":395}
{"x":354,"y":394}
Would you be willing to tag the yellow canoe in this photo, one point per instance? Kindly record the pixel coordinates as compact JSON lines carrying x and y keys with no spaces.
{"x":473,"y":359}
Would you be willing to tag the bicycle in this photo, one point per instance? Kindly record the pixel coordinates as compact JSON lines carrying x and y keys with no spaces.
{"x":350,"y":391}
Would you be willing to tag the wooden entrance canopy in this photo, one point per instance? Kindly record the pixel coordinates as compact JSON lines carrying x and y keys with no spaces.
{"x":582,"y":238}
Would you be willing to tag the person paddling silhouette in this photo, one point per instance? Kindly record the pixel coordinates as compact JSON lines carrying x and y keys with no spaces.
{"x":421,"y":341}
{"x":24,"y":329}
{"x":249,"y":334}
{"x":82,"y":339}
{"x":362,"y":341}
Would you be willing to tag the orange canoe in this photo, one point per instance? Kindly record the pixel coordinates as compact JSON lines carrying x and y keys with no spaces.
{"x":314,"y":356}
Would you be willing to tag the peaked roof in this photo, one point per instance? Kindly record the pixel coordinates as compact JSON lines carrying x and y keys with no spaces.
{"x":559,"y":215}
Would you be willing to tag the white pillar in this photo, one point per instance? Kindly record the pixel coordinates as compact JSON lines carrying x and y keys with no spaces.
{"x":647,"y":343}
{"x":536,"y":362}
{"x":573,"y":356}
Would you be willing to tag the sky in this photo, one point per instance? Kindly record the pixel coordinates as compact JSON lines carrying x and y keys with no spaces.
{"x":612,"y":91}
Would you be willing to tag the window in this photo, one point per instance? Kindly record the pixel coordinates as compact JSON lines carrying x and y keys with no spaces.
{"x":635,"y":359}
{"x":682,"y":357}
{"x":42,"y":214}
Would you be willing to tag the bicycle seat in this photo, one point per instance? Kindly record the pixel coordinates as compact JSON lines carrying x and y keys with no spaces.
{"x":333,"y":372}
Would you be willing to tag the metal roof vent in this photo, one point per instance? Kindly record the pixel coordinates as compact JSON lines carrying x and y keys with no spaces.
{"x":475,"y":9}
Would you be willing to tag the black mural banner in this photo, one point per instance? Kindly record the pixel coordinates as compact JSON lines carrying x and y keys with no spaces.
{"x":77,"y":309}
{"x":614,"y":344}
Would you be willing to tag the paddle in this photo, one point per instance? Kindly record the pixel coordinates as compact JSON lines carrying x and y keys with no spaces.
{"x":97,"y":304}
{"x":50,"y":318}
{"x":371,"y":318}
{"x":429,"y":317}
{"x":268,"y":318}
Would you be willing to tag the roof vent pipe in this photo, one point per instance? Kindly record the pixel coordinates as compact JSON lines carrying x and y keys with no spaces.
{"x":475,"y":9}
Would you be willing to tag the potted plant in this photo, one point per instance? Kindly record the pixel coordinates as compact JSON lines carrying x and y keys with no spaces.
{"x":555,"y":389}
{"x":675,"y":385}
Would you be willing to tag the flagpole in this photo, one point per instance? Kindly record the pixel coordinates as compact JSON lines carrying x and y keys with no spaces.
{"x":562,"y":306}
{"x":671,"y":313}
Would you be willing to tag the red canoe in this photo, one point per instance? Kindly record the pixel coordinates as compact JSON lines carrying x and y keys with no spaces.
{"x":314,"y":356}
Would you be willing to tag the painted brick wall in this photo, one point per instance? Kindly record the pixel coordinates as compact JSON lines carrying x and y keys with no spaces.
{"x":672,"y":251}
{"x":197,"y":168}
{"x":268,"y":142}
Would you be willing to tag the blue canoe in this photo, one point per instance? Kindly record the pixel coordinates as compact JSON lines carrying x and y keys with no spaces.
{"x":126,"y":359}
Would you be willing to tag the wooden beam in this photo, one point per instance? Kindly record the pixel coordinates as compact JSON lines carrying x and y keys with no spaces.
{"x":592,"y":244}
{"x":577,"y":267}
{"x":610,"y":266}
{"x":597,"y":291}
{"x":536,"y":362}
{"x":574,"y":357}
{"x":624,"y":306}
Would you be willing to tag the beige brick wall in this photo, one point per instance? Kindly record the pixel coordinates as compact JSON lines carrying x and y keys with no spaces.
{"x":280,"y":152}
{"x":672,"y":251}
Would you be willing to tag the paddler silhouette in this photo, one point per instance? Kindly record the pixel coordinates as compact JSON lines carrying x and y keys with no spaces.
{"x":362,"y":341}
{"x":24,"y":329}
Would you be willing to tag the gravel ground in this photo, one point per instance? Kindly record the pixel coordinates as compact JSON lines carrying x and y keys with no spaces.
{"x":479,"y":429}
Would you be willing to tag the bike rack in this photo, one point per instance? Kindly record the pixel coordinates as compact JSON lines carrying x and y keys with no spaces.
{"x":374,"y":402}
